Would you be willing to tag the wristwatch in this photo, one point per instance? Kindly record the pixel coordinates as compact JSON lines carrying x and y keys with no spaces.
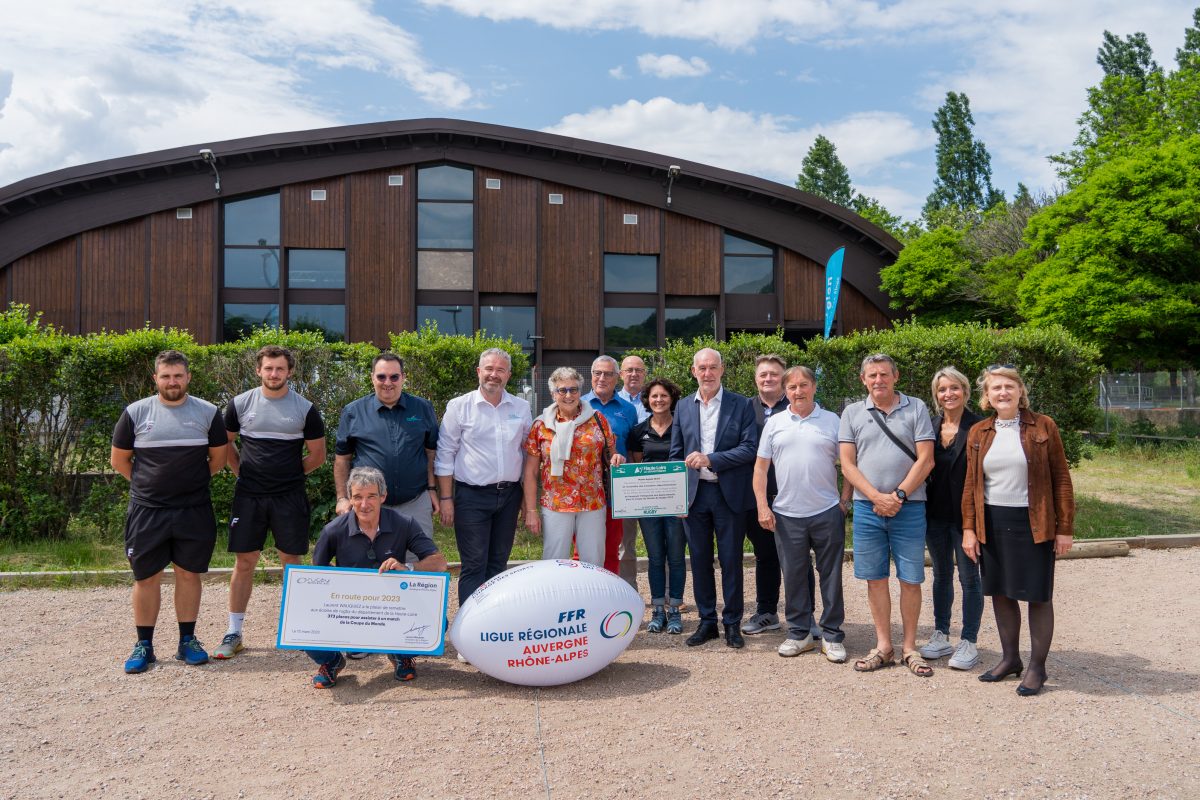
{"x":903,"y":495}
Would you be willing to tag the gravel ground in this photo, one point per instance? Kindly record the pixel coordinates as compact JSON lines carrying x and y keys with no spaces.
{"x":1120,"y":716}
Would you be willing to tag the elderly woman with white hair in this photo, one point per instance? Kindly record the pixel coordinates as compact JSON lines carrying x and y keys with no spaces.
{"x":943,"y":522}
{"x":570,"y":445}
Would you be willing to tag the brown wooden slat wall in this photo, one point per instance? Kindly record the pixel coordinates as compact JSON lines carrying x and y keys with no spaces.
{"x":315,"y":223}
{"x":45,"y":281}
{"x":181,"y":267}
{"x":114,"y":276}
{"x":692,"y":256}
{"x":379,"y":256}
{"x":857,"y":313}
{"x":571,"y":292}
{"x":803,"y":287}
{"x":644,"y":237}
{"x":506,"y":221}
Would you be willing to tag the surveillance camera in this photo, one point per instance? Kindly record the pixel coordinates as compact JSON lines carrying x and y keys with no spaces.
{"x":674,"y":170}
{"x":207,"y":155}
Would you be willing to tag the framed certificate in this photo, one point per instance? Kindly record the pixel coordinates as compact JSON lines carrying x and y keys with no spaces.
{"x":656,"y":489}
{"x":331,"y":608}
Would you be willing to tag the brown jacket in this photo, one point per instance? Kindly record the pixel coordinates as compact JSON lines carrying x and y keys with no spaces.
{"x":1051,"y":497}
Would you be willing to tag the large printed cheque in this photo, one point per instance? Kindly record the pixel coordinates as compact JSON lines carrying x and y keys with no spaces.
{"x":328,"y":608}
{"x":656,"y":489}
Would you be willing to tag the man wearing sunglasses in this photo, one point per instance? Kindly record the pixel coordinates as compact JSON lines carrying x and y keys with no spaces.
{"x":372,"y":537}
{"x":396,"y":433}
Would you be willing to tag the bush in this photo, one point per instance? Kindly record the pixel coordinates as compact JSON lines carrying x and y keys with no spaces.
{"x":440,"y":367}
{"x":1059,"y":370}
{"x":674,"y":362}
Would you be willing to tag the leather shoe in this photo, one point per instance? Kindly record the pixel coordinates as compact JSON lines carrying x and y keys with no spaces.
{"x":992,"y":676}
{"x":705,"y":633}
{"x":733,"y":636}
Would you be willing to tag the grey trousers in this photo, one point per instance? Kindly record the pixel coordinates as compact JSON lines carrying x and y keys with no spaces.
{"x":628,"y":552}
{"x":420,"y":511}
{"x":825,"y":535}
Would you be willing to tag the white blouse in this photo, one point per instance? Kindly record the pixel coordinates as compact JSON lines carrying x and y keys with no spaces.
{"x":1005,"y":471}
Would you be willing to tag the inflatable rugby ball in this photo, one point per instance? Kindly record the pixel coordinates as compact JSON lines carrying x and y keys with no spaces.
{"x":547,"y":623}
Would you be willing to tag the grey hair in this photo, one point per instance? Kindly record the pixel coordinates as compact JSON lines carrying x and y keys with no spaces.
{"x":599,"y":359}
{"x":954,"y":375}
{"x":877,"y":358}
{"x":564,"y":374}
{"x":799,"y":369}
{"x":720,"y":359}
{"x":366,"y":476}
{"x":496,"y":351}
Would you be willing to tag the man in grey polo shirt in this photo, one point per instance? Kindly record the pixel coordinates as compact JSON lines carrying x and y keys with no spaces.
{"x":889,"y":503}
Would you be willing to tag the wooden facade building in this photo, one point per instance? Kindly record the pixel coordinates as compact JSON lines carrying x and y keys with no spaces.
{"x":571,"y":247}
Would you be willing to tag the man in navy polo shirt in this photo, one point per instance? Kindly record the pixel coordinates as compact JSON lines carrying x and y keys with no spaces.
{"x":397,"y":434}
{"x":621,"y":417}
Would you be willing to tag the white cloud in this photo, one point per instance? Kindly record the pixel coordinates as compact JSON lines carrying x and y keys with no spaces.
{"x":95,"y":81}
{"x":672,"y":66}
{"x":869,"y":143}
{"x":618,"y":72}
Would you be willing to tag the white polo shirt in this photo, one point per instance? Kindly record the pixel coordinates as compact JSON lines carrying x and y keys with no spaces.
{"x":804,"y":451}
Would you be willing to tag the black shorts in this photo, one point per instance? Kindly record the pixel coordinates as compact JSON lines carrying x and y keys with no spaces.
{"x":155,"y":537}
{"x":286,"y":515}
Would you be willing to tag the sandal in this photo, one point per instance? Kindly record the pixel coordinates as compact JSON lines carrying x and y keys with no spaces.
{"x":875,"y":660}
{"x":916,"y":665}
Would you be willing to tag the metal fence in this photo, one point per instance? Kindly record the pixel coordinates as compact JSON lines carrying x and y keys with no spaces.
{"x":1146,"y":390}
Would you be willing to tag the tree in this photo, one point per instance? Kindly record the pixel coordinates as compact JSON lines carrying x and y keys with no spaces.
{"x":1122,"y":265}
{"x":822,"y":173}
{"x":964,"y":167}
{"x":875,"y":212}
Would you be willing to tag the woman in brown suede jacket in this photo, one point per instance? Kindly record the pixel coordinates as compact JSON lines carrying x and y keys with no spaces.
{"x":1018,"y":513}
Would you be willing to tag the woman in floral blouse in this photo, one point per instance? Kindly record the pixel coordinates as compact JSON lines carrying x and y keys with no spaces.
{"x":569,"y":442}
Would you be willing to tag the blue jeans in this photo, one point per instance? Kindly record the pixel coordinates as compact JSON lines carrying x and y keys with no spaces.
{"x":901,"y":538}
{"x":665,"y":542}
{"x":945,"y":548}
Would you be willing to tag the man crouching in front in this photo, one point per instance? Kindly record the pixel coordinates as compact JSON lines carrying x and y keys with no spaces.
{"x":373,"y":537}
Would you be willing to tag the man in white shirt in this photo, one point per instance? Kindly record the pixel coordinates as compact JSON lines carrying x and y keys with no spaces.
{"x":478,"y":471}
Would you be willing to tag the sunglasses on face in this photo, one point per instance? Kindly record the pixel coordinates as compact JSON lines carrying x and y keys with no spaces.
{"x":1001,"y":366}
{"x":567,"y":390}
{"x":392,"y":378}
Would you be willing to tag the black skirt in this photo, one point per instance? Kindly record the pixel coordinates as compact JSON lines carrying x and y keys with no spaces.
{"x":1011,"y":564}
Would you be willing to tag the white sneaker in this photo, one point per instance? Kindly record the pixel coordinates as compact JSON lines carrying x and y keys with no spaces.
{"x":794,"y":647}
{"x":834,"y":651}
{"x":937,"y":646}
{"x":965,"y":656}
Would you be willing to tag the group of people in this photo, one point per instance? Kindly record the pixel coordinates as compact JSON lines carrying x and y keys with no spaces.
{"x":991,"y":496}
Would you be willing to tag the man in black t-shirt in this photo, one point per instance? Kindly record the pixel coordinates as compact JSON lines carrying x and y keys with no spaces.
{"x":168,"y":446}
{"x":276,"y":425}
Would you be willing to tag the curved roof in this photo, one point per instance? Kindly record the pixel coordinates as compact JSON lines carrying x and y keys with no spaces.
{"x":46,"y":208}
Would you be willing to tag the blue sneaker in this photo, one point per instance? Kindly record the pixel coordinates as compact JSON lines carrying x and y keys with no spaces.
{"x":327,"y":675}
{"x":191,"y":652}
{"x":406,"y":667}
{"x":141,"y":658}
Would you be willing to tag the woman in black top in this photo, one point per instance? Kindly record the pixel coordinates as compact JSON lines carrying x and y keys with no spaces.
{"x":943,"y":531}
{"x":649,"y":441}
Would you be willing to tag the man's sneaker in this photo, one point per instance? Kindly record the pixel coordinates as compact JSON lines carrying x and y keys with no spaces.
{"x":229,"y":647}
{"x":357,"y":656}
{"x":674,"y":620}
{"x":327,"y":675}
{"x":937,"y":646}
{"x":406,"y":668}
{"x":965,"y":656}
{"x":658,"y":620}
{"x":191,"y":652}
{"x":762,"y":622}
{"x":794,"y":647}
{"x":834,"y":651}
{"x":141,"y":658}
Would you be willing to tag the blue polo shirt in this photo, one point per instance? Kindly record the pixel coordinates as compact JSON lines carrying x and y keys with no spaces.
{"x":621,"y":416}
{"x":393,"y":440}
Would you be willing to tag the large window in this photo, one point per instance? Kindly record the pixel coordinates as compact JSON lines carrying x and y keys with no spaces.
{"x":266,"y":284}
{"x":749,"y":266}
{"x":630,"y":327}
{"x":514,"y":322}
{"x":445,"y":228}
{"x":688,"y":323}
{"x":449,"y":318}
{"x":626,"y":273}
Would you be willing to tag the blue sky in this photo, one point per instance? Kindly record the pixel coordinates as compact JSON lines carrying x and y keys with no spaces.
{"x":742,"y":85}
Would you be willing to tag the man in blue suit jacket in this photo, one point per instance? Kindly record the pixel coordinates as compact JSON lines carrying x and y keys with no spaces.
{"x":716,"y":435}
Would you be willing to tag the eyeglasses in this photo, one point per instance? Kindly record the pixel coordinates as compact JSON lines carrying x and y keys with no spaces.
{"x":392,"y":378}
{"x":631,"y":370}
{"x":599,"y":374}
{"x":567,"y":390}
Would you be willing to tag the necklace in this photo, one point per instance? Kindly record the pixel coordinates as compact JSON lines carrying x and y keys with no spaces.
{"x":1008,"y":423}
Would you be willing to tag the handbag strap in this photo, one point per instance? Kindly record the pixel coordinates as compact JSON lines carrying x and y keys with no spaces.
{"x":888,"y":433}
